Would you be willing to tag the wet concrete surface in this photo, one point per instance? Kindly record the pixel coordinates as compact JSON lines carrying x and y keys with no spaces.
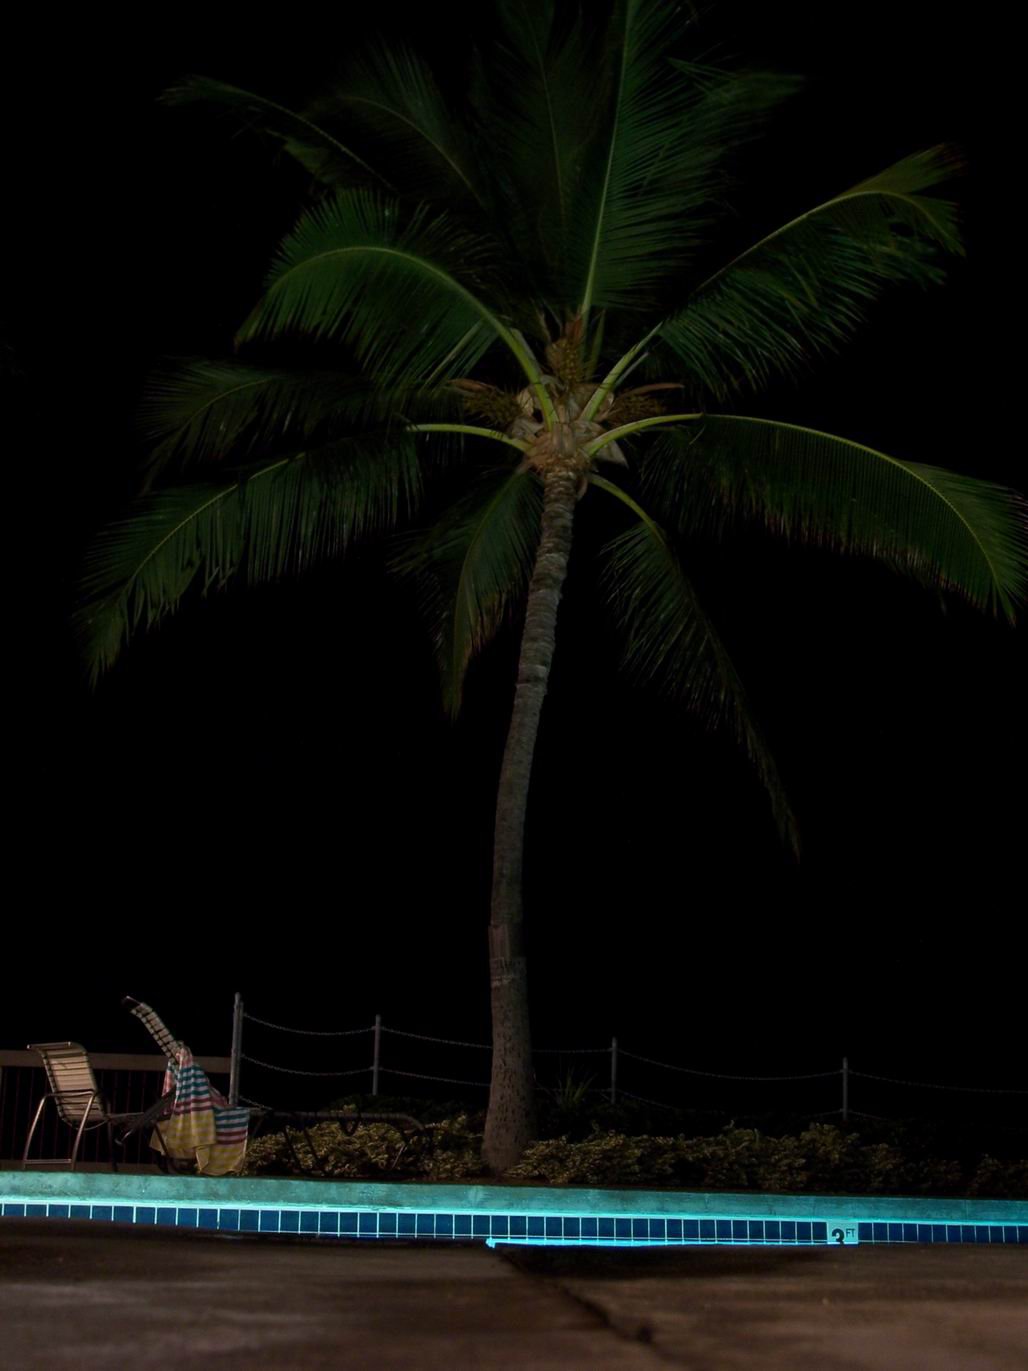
{"x":73,"y":1295}
{"x":84,"y":1295}
{"x":824,"y":1309}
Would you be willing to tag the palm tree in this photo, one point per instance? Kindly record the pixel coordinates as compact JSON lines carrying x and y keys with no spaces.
{"x":510,"y":291}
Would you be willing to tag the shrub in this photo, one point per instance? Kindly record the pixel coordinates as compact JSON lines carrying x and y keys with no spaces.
{"x":821,"y":1158}
{"x":445,"y":1151}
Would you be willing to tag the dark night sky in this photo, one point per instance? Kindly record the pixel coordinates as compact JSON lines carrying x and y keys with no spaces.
{"x":264,"y":796}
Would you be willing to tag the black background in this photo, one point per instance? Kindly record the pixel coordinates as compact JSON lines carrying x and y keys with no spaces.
{"x":265,"y":796}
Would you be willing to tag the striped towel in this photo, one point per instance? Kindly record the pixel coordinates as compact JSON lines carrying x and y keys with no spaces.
{"x":204,"y":1128}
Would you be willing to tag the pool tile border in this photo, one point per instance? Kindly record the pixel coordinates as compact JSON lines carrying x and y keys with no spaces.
{"x":506,"y":1215}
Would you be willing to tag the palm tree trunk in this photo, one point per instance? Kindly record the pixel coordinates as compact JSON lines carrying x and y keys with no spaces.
{"x":511,"y":1119}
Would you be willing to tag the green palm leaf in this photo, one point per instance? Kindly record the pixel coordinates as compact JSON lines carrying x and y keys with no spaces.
{"x":805,"y":288}
{"x":200,"y":410}
{"x":938,"y":526}
{"x":401,"y":288}
{"x":472,"y":569}
{"x":329,"y":160}
{"x":656,"y":175}
{"x":390,"y":105}
{"x":268,"y":521}
{"x":538,"y":106}
{"x":669,"y":642}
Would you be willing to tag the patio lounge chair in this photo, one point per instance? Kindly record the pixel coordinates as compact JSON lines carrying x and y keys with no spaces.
{"x":81,"y":1104}
{"x":203,"y":1131}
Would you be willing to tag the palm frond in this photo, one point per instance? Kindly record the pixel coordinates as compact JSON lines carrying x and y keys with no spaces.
{"x":202,"y":410}
{"x":399,"y":287}
{"x":538,"y":104}
{"x":267,"y":521}
{"x":805,"y":288}
{"x":472,"y":568}
{"x":940,"y":527}
{"x":670,"y":643}
{"x":320,"y":152}
{"x":657,"y":172}
{"x":389,"y":103}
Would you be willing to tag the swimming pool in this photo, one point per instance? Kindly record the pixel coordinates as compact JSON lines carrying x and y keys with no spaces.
{"x":506,"y":1214}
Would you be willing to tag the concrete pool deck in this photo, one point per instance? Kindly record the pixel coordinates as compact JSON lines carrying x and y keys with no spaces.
{"x":77,"y":1294}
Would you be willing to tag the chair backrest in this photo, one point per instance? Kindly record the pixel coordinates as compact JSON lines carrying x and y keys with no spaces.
{"x":72,"y":1083}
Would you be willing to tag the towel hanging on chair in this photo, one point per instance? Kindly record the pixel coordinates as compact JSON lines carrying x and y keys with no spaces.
{"x":204,"y":1128}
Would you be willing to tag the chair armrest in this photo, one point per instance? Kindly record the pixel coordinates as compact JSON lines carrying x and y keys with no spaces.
{"x":154,"y":1114}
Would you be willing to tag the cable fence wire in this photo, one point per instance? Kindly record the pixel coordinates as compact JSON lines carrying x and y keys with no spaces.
{"x":306,"y":1032}
{"x":297,"y":1071}
{"x":420,"y":1076}
{"x":730,"y":1093}
{"x":424,"y":1037}
{"x":934,"y":1085}
{"x":724,"y":1076}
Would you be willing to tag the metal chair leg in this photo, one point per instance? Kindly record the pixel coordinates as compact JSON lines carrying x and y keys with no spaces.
{"x":32,"y":1130}
{"x":81,"y":1129}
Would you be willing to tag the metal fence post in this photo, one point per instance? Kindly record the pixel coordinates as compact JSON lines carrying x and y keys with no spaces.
{"x":376,"y":1058}
{"x":237,"y":1050}
{"x":613,"y":1070}
{"x":845,"y":1089}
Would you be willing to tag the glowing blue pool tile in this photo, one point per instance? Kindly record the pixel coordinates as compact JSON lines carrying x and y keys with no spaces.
{"x":410,"y":1211}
